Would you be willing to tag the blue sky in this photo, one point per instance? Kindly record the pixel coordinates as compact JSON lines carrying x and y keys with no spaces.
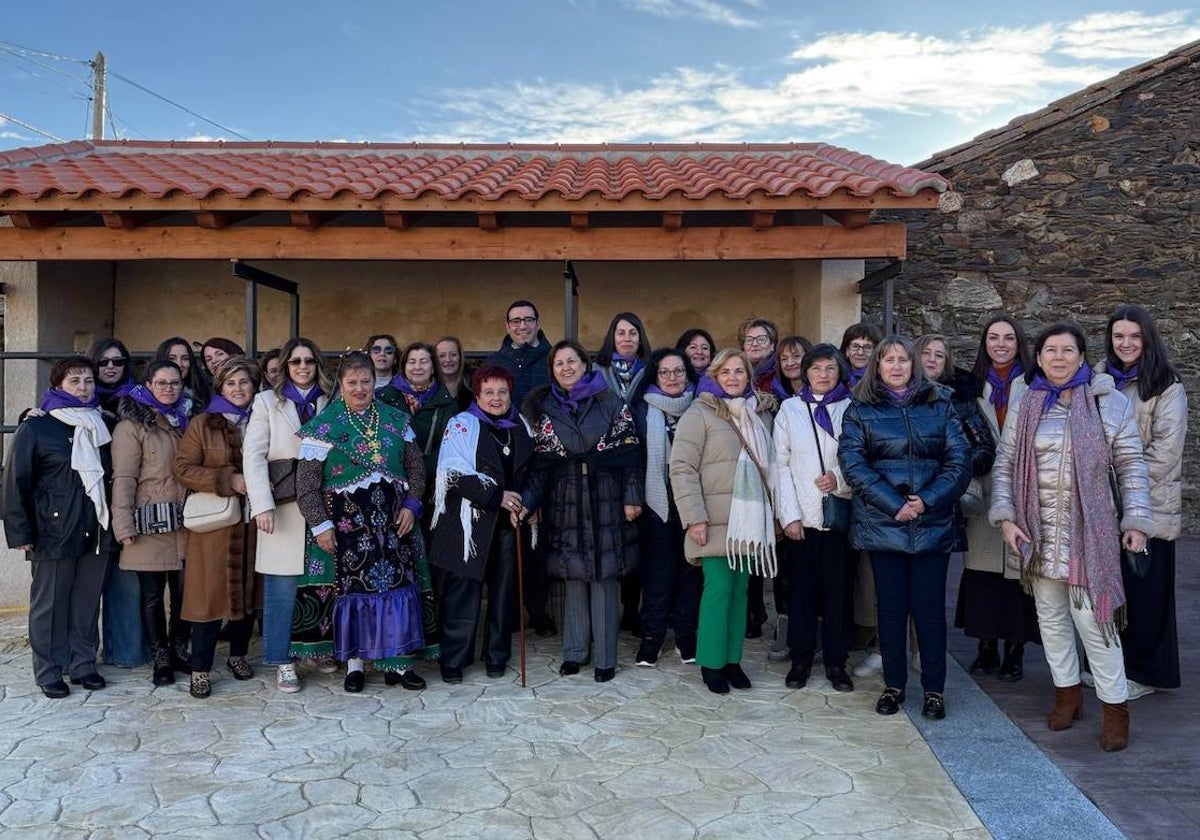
{"x":895,"y":80}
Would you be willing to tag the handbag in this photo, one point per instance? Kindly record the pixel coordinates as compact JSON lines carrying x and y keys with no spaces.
{"x":157,"y":518}
{"x":1139,"y":564}
{"x":204,"y":512}
{"x":282,"y":475}
{"x":835,"y":511}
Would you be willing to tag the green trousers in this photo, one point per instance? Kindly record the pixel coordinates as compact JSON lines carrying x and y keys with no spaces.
{"x":722,"y":614}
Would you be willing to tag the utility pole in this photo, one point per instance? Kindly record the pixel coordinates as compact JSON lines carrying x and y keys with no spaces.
{"x":99,"y":95}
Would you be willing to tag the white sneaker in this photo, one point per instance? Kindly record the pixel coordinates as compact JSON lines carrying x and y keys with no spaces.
{"x":286,"y":679}
{"x":873,"y":664}
{"x":1087,"y":679}
{"x":1136,"y":690}
{"x":915,"y":662}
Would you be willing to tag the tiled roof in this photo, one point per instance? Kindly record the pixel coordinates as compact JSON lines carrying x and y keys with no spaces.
{"x":122,"y":169}
{"x":1063,"y":109}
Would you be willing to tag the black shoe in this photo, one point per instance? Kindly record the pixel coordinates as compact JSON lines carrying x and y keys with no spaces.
{"x":163,"y":675}
{"x":736,"y":676}
{"x":605,"y":674}
{"x":988,"y":659}
{"x":409,"y":680}
{"x":839,"y":679}
{"x":239,"y":667}
{"x":354,"y":682}
{"x":91,"y":682}
{"x":56,"y":690}
{"x":181,"y":658}
{"x":1012,"y":668}
{"x":543,"y":625}
{"x":647,"y":653}
{"x":568,"y":669}
{"x":934,"y":707}
{"x":890,"y":701}
{"x":715,"y":680}
{"x":686,"y":651}
{"x":496,"y":671}
{"x":797,"y":677}
{"x":450,"y":674}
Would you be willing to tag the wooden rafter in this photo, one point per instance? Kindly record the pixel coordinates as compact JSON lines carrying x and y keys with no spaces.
{"x":217,"y":219}
{"x":672,"y":220}
{"x":131,"y":220}
{"x":37,"y":220}
{"x":311,"y":219}
{"x":395,"y":220}
{"x":762,"y":219}
{"x":488,"y":221}
{"x":850,"y":218}
{"x":580,"y":221}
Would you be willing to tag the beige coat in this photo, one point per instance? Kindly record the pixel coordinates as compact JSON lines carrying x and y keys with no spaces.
{"x":143,"y":472}
{"x":703,"y":459}
{"x":271,"y":436}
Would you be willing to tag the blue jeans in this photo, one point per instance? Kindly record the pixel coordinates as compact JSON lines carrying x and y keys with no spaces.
{"x":279,"y":601}
{"x":911,"y":584}
{"x":124,"y":640}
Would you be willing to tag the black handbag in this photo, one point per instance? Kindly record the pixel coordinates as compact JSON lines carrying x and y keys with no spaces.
{"x":282,"y":475}
{"x":835,"y":511}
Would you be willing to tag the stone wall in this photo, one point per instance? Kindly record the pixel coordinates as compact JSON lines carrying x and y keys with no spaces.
{"x":1068,"y":222}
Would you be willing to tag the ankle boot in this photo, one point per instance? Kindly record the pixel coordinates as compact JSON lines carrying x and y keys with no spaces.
{"x":1114,"y":727}
{"x":988,"y":659}
{"x":163,"y":674}
{"x":1013,"y":667}
{"x":1068,"y":707}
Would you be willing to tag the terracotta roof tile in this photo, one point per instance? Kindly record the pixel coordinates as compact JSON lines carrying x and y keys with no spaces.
{"x":119,"y":169}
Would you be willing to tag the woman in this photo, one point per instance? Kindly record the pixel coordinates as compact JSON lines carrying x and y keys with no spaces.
{"x":483,"y":462}
{"x":858,"y":342}
{"x":1052,"y":500}
{"x":991,"y":604}
{"x":451,"y":369}
{"x":789,"y":355}
{"x":757,"y":337}
{"x":1137,"y":359}
{"x":272,"y":369}
{"x":56,"y":510}
{"x":297,"y":619}
{"x":148,"y":509}
{"x":416,"y":391}
{"x":720,"y":465}
{"x":385,"y":357}
{"x":359,"y":484}
{"x":903,"y":453}
{"x":122,"y":638}
{"x":699,"y":348}
{"x":218,"y":578}
{"x":819,"y":570}
{"x":586,"y":481}
{"x":623,"y":355}
{"x":670,"y":585}
{"x":216,"y":351}
{"x":196,"y":391}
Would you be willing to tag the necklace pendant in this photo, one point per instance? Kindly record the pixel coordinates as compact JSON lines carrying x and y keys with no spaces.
{"x":505,"y":449}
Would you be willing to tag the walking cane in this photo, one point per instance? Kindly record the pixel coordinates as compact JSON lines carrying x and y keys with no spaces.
{"x":521,"y":598}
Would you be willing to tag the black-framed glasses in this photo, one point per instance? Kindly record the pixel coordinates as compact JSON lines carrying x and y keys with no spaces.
{"x":297,"y":361}
{"x":527,"y":321}
{"x":757,"y":340}
{"x":378,"y":349}
{"x":117,"y":362}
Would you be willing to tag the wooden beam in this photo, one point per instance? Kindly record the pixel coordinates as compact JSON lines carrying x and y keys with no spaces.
{"x":358,"y":243}
{"x":580,"y":221}
{"x":130,"y":220}
{"x":762,"y":219}
{"x":395,"y":220}
{"x":217,"y":219}
{"x":310,"y":219}
{"x":37,"y":220}
{"x":850,"y":218}
{"x":672,"y":220}
{"x":488,"y":221}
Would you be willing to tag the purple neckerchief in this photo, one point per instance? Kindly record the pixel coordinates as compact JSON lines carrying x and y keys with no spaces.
{"x":508,"y":421}
{"x":140,"y":394}
{"x":780,"y":388}
{"x":766,"y":366}
{"x":1121,"y":377}
{"x":405,"y":387}
{"x":856,"y":374}
{"x":58,"y":398}
{"x":654,"y":389}
{"x":900,"y":397}
{"x":839,"y":392}
{"x":1040,"y":383}
{"x":1000,"y":385}
{"x":306,"y":407}
{"x":121,"y":389}
{"x":589,"y":385}
{"x":708,"y":385}
{"x":219,"y":405}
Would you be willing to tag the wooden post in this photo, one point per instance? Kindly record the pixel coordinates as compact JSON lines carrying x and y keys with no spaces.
{"x":99,"y":96}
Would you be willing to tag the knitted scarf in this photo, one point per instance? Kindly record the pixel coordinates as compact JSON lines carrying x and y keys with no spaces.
{"x":661,"y":410}
{"x":1094,"y":564}
{"x":1001,"y":385}
{"x":90,"y":435}
{"x":822,"y":403}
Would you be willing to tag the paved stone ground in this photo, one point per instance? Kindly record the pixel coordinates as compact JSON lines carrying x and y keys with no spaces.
{"x":651,"y":754}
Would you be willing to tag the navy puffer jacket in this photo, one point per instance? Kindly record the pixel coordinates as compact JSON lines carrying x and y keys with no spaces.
{"x":888,"y":451}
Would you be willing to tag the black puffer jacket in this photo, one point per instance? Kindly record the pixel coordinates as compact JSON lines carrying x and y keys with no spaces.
{"x":888,"y":451}
{"x":44,"y":502}
{"x":586,"y":468}
{"x":526,"y":364}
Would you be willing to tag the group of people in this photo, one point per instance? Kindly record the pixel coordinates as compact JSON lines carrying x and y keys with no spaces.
{"x":371,"y":510}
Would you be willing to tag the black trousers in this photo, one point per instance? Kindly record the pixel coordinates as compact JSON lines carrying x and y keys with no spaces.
{"x":821,"y":577}
{"x":64,"y":613}
{"x":154,"y":616}
{"x":756,"y":608}
{"x":204,"y":640}
{"x":1150,"y":641}
{"x":671,"y":585}
{"x":461,"y":601}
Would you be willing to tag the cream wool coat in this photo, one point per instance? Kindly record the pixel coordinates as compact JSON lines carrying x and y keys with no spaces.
{"x":986,"y":551}
{"x":797,"y":465}
{"x":272,"y":435}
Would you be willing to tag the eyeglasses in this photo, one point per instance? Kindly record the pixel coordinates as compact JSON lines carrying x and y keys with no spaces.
{"x":163,"y":385}
{"x":861,"y":347}
{"x":756,"y":340}
{"x":527,"y":321}
{"x":297,"y":361}
{"x":117,"y":362}
{"x":671,"y":373}
{"x":378,"y":349}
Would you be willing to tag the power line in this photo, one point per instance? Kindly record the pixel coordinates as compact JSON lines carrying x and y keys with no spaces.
{"x":10,"y":118}
{"x":43,"y":53}
{"x":183,"y":108}
{"x":21,"y":54}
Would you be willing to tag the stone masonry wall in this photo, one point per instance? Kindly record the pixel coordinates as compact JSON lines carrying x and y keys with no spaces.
{"x":1067,"y":223}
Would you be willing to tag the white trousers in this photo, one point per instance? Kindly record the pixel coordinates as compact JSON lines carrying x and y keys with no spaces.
{"x":1059,"y":620}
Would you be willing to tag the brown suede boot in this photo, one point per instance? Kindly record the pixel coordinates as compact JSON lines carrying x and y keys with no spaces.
{"x":1068,"y":707}
{"x":1114,"y":727}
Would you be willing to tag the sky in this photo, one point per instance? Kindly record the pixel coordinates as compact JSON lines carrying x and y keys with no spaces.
{"x":899,"y":81}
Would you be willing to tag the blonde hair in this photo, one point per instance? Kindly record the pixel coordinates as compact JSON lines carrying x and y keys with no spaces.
{"x":724,"y":356}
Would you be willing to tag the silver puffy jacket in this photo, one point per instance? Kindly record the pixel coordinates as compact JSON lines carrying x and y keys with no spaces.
{"x":1056,"y":478}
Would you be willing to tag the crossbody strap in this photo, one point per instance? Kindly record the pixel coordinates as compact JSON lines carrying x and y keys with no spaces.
{"x":816,"y":437}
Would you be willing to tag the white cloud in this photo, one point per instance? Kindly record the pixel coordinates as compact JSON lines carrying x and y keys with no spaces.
{"x":1124,"y":35}
{"x":12,"y":135}
{"x":706,"y":10}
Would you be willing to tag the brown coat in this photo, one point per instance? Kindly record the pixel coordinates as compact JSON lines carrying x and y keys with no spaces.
{"x":217,"y":583}
{"x":143,"y":452}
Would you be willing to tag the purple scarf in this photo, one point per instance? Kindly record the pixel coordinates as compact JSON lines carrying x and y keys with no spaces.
{"x":139,"y":394}
{"x":57,"y":398}
{"x":121,"y":389}
{"x":780,"y":388}
{"x":654,"y":389}
{"x":708,"y":385}
{"x":839,"y":392}
{"x":415,"y":398}
{"x":1121,"y":377}
{"x":588,"y":385}
{"x":220,"y":405}
{"x":508,"y":421}
{"x":1082,"y":377}
{"x":626,"y":367}
{"x":306,"y":407}
{"x":856,"y":374}
{"x":1001,"y":385}
{"x":899,"y":397}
